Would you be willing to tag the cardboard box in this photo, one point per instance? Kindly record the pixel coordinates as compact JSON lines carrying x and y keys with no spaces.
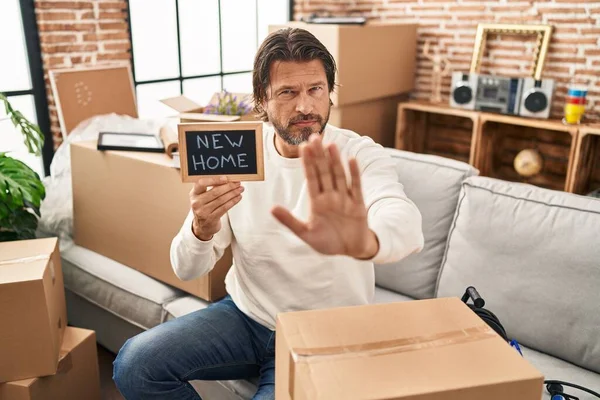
{"x":373,"y":118}
{"x":77,"y":377}
{"x":129,"y":206}
{"x":33,"y":312}
{"x":375,"y":60}
{"x":419,"y":350}
{"x":190,"y":111}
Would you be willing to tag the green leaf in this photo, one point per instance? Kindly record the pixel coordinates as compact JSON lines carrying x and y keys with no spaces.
{"x":8,"y":236}
{"x":4,"y":211}
{"x":21,"y":190}
{"x":20,"y":224}
{"x":33,"y":136}
{"x":19,"y":185}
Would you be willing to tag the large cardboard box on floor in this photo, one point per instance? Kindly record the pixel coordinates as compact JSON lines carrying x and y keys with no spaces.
{"x":374,"y":60}
{"x":373,"y":118}
{"x":77,"y":377}
{"x":33,"y":313}
{"x":129,"y":206}
{"x":420,"y":350}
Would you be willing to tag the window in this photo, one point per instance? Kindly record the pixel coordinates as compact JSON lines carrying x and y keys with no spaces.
{"x":22,"y":81}
{"x":197,"y":48}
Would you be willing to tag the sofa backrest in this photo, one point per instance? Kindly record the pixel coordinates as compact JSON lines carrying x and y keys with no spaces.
{"x":534,"y":256}
{"x":433,"y":184}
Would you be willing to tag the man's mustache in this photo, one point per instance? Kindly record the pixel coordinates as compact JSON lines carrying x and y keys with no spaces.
{"x":307,"y":117}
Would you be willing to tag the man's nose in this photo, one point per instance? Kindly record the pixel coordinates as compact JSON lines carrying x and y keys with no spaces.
{"x":304,"y":104}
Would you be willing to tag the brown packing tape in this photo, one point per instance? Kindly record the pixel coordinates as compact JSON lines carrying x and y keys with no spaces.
{"x":334,"y":353}
{"x":26,"y":260}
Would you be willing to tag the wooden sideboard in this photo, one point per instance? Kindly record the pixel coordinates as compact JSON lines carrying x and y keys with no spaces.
{"x":490,"y":142}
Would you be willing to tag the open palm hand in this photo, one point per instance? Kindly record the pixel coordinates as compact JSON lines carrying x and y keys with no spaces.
{"x":337,"y":223}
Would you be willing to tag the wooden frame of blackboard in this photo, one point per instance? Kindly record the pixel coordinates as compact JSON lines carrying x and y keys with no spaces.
{"x":184,"y":128}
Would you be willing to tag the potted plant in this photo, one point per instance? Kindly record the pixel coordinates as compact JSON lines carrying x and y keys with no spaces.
{"x":21,"y":189}
{"x":227,"y":103}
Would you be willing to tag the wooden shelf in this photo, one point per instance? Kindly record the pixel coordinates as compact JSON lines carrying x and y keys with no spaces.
{"x":586,"y":161}
{"x":549,"y":124}
{"x":491,"y":141}
{"x":501,"y":137}
{"x":437,"y":129}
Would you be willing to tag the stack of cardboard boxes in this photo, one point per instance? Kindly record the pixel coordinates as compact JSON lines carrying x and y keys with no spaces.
{"x":376,"y":70}
{"x":40,"y":356}
{"x":128,"y":206}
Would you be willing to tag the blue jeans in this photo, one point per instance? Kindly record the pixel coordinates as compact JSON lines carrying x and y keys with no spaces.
{"x":217,"y":343}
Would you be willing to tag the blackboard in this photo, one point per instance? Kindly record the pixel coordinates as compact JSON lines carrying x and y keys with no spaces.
{"x":231,"y":149}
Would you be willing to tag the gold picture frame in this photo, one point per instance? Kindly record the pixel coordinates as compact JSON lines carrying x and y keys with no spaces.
{"x":542,"y":32}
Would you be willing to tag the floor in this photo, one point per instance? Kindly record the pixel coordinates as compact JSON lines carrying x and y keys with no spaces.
{"x":107,"y":386}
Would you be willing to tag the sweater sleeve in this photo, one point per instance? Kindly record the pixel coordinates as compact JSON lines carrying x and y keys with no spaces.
{"x":393,"y":217}
{"x":191,"y":257}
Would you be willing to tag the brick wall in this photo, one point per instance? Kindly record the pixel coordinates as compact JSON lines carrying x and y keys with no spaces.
{"x":451,"y":24}
{"x":80,"y":33}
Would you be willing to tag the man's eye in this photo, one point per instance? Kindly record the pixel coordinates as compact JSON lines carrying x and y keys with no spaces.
{"x":286,"y":92}
{"x":317,"y":88}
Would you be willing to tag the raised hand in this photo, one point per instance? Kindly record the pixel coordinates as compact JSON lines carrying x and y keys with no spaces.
{"x":337,"y":223}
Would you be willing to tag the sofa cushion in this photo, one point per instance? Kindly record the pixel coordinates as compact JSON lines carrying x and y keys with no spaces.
{"x":533,"y":255}
{"x":183,"y":305}
{"x":555,"y":369}
{"x":121,"y":290}
{"x":433,"y":184}
{"x":388,"y":296}
{"x":226,"y":390}
{"x":111,"y":330}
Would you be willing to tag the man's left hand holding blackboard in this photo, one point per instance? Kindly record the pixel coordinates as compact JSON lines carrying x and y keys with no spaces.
{"x":209,"y":205}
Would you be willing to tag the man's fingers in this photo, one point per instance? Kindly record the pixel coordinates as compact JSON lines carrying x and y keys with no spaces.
{"x":222,"y":199}
{"x":355,"y":187}
{"x":310,"y":171}
{"x":339,"y":176}
{"x":203,"y":183}
{"x":321,"y":163}
{"x":223,"y":208}
{"x":287,"y":219}
{"x":218,"y":191}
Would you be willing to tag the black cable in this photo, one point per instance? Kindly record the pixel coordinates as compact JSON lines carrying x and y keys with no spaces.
{"x":584,"y":389}
{"x":492,"y":320}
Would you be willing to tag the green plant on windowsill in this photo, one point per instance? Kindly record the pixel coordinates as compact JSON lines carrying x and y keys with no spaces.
{"x":21,"y":189}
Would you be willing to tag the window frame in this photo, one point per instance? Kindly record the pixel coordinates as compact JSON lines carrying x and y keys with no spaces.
{"x":38,"y":86}
{"x":181,"y":78}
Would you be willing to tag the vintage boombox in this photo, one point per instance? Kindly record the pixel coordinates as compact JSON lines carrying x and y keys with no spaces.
{"x":517,"y":96}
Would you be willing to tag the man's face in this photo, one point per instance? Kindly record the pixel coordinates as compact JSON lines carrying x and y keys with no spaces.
{"x":297,"y":99}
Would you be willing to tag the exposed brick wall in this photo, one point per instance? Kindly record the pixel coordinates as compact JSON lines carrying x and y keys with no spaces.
{"x":451,"y":24}
{"x":80,"y":33}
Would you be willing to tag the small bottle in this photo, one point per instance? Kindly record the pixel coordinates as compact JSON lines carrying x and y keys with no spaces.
{"x":575,"y":102}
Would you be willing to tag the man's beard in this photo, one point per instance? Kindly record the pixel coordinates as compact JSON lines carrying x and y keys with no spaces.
{"x":295,"y":139}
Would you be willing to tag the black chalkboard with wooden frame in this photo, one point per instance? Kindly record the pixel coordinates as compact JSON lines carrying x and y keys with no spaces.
{"x":232,"y":149}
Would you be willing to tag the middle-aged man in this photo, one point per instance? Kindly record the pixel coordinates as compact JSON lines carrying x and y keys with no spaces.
{"x":305,"y":238}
